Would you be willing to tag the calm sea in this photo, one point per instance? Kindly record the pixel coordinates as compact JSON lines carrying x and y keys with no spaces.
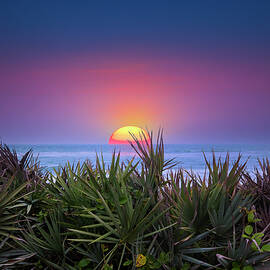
{"x":189,"y":156}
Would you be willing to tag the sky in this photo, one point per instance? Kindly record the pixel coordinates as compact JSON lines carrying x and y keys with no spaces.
{"x":75,"y":71}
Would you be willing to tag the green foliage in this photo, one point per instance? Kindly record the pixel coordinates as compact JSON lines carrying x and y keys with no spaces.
{"x":83,"y":264}
{"x":257,"y":237}
{"x":251,"y":249}
{"x":131,"y":215}
{"x":186,"y":266}
{"x":237,"y":266}
{"x":46,"y":241}
{"x":153,"y":263}
{"x":24,"y":170}
{"x":259,"y":187}
{"x":11,"y":255}
{"x":221,"y":174}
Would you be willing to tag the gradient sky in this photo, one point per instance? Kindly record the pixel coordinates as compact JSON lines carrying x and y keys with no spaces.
{"x":75,"y":71}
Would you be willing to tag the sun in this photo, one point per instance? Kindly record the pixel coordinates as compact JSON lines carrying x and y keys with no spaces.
{"x":122,"y":135}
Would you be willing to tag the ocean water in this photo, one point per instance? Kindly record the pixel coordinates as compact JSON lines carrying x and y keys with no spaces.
{"x":188,"y":156}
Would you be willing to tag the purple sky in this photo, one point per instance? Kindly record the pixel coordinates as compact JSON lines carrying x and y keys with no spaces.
{"x":73,"y":72}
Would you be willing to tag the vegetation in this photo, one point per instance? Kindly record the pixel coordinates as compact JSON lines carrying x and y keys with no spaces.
{"x":145,"y":215}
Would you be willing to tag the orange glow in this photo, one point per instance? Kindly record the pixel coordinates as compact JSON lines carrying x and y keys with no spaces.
{"x":122,"y":135}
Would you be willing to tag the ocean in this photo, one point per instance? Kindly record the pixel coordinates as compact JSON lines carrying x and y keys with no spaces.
{"x":188,"y":156}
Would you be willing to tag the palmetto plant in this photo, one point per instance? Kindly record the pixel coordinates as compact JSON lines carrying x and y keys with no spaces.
{"x":47,"y":242}
{"x":8,"y":218}
{"x":240,"y":253}
{"x":10,"y":207}
{"x":151,"y":153}
{"x":188,"y":201}
{"x":126,"y":213}
{"x":27,"y":169}
{"x":259,"y":188}
{"x":210,"y":203}
{"x":227,"y":214}
{"x":221,"y":173}
{"x":182,"y":196}
{"x":65,"y":185}
{"x":124,"y":220}
{"x":260,"y":185}
{"x":154,"y":164}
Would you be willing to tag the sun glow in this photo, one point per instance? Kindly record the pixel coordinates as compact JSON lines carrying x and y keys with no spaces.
{"x":123,"y":135}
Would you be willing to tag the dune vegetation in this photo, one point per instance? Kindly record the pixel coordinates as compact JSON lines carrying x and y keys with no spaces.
{"x":146,"y":214}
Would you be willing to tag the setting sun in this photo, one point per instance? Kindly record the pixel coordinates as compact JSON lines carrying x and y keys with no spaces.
{"x":123,"y":135}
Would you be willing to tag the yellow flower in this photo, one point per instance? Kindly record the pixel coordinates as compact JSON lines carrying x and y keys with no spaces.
{"x":141,"y":260}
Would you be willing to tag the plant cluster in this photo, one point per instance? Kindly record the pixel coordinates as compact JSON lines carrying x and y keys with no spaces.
{"x":132,"y":215}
